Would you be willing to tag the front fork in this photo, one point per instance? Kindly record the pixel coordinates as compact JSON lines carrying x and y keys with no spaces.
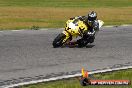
{"x":68,"y":37}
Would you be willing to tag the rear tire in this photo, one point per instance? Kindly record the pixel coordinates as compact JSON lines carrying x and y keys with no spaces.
{"x":82,"y":43}
{"x":91,"y":39}
{"x":58,"y":41}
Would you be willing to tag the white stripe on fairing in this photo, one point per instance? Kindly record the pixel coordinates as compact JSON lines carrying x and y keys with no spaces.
{"x":63,"y":77}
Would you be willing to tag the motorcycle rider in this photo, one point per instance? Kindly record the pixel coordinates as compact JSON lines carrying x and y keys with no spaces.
{"x":92,"y":24}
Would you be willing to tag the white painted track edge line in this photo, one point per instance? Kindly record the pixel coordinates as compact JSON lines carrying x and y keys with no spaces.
{"x":125,"y":25}
{"x":64,"y":77}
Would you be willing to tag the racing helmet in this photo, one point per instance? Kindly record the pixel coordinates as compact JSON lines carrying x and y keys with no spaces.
{"x":92,"y":16}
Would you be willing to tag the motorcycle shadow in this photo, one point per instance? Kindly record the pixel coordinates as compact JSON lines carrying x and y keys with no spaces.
{"x":76,"y":46}
{"x":90,"y":46}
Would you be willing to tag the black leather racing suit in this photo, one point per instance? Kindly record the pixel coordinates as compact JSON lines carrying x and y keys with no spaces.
{"x":92,"y":27}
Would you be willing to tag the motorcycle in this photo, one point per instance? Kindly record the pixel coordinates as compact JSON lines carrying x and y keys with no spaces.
{"x":74,"y":28}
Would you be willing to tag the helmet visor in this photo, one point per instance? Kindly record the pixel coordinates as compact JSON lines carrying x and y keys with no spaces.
{"x":91,"y":18}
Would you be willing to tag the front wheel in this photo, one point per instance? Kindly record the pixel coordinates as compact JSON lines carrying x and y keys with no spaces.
{"x":58,"y":41}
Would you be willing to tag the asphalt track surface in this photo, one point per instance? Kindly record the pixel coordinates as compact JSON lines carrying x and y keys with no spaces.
{"x":28,"y":54}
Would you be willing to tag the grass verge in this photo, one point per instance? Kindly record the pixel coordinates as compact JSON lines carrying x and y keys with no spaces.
{"x":65,"y":3}
{"x":19,"y":14}
{"x":74,"y":82}
{"x":21,"y":17}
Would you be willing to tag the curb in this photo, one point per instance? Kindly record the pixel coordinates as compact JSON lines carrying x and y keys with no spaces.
{"x":65,"y":77}
{"x":124,"y":25}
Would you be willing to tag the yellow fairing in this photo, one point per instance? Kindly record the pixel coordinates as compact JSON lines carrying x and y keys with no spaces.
{"x":67,"y":36}
{"x":74,"y":29}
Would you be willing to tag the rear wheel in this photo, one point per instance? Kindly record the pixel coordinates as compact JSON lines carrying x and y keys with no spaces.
{"x":91,"y":39}
{"x":82,"y":43}
{"x":58,"y":41}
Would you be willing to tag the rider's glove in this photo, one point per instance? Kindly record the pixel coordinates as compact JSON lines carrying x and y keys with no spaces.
{"x":91,"y":33}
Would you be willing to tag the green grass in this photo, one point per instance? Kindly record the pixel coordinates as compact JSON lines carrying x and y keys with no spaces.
{"x":74,"y":82}
{"x":67,"y":3}
{"x":19,"y":14}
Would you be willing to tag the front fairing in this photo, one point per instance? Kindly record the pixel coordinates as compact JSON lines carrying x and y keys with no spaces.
{"x":72,"y":28}
{"x":75,"y":27}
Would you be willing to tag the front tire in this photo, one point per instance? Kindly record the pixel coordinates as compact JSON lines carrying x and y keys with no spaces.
{"x":58,"y":41}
